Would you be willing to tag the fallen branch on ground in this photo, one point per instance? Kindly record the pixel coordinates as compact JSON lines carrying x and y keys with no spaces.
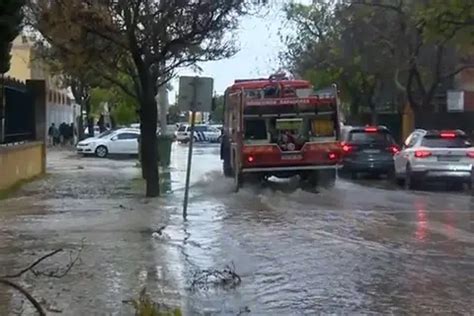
{"x":58,"y":273}
{"x":227,"y":278}
{"x":55,"y":274}
{"x":31,"y":266}
{"x":30,"y":298}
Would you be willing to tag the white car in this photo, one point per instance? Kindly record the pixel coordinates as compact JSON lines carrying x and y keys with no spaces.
{"x":122,"y":141}
{"x":202,"y":133}
{"x":96,"y":131}
{"x":446,"y":156}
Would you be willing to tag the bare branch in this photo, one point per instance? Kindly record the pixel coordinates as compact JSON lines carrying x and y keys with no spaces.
{"x":396,"y":8}
{"x":34,"y":264}
{"x":23,"y":291}
{"x":455,"y":72}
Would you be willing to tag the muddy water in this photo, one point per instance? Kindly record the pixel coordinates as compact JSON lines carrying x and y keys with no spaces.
{"x":363,"y":247}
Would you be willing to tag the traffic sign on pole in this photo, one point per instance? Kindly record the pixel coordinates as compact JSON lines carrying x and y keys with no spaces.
{"x":195,"y":94}
{"x":199,"y":99}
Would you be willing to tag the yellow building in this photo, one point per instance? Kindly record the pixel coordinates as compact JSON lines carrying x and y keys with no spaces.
{"x":26,"y":64}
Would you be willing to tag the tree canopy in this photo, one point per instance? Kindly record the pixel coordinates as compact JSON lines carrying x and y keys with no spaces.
{"x":11,"y":16}
{"x":380,"y":52}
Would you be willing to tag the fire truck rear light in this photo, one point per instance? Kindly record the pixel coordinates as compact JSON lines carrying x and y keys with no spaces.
{"x":250,"y":159}
{"x":346,"y":148}
{"x":332,"y":156}
{"x":422,"y":153}
{"x":470,"y":154}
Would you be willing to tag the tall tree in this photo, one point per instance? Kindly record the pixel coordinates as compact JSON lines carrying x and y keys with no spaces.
{"x":145,"y":39}
{"x":427,"y":59}
{"x":11,"y":16}
{"x":380,"y":48}
{"x":333,"y":44}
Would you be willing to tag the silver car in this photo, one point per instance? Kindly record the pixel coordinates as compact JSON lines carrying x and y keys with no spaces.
{"x":446,"y":156}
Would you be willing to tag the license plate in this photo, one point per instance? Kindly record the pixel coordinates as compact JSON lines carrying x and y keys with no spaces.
{"x":448,"y":158}
{"x":372,"y":151}
{"x":291,"y":157}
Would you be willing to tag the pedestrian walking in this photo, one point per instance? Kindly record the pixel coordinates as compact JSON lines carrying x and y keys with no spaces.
{"x":56,"y":135}
{"x":51,"y":134}
{"x":63,"y":133}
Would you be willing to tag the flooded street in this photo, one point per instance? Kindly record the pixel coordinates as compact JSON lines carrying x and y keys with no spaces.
{"x":362,"y":247}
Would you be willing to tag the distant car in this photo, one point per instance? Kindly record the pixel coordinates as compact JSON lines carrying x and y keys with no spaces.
{"x":202,"y":133}
{"x":217,"y":126}
{"x":368,"y":149}
{"x":446,"y":156}
{"x":121,"y":141}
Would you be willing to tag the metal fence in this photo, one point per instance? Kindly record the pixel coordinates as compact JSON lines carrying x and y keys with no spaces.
{"x":19,"y":113}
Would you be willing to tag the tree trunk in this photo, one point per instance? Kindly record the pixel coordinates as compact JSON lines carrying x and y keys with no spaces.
{"x":80,"y":123}
{"x":2,"y":108}
{"x":373,"y":114}
{"x":90,"y":121}
{"x":149,"y":144}
{"x":354,"y":110}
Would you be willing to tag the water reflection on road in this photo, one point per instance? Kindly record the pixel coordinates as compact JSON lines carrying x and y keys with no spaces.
{"x":358,"y":248}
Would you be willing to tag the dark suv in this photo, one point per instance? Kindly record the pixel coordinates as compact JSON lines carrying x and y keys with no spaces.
{"x":368,"y":149}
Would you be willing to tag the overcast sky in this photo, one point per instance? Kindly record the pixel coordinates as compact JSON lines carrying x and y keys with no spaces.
{"x":259,"y":45}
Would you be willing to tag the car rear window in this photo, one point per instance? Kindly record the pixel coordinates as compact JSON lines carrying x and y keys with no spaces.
{"x":370,"y":137}
{"x":104,"y":134}
{"x":439,"y":142}
{"x":181,"y":128}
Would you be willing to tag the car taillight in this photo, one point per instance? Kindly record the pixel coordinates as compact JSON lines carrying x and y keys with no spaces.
{"x":371,"y":129}
{"x":393,"y":149}
{"x":448,"y":135}
{"x":422,"y":153}
{"x":470,"y":154}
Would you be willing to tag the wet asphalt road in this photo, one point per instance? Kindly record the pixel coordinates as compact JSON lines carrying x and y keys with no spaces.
{"x":363,"y":247}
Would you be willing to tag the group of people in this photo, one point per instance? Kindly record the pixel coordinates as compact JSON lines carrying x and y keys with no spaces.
{"x":62,"y":135}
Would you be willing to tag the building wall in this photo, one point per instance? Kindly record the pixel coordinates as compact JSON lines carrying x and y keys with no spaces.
{"x":27,"y":65}
{"x":20,"y":63}
{"x":21,"y":162}
{"x":465,"y":80}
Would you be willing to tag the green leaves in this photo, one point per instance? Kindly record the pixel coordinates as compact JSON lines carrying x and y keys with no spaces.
{"x":11,"y":17}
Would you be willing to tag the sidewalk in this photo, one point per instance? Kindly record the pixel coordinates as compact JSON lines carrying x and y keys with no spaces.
{"x":98,"y":201}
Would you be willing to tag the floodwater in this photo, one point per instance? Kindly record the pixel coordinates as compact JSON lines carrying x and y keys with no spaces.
{"x":363,"y":247}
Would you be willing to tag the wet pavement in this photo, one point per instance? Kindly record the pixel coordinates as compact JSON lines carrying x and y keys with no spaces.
{"x":364,"y":247}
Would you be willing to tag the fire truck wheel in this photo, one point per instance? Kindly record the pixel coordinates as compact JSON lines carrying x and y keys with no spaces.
{"x":312,"y":178}
{"x":238,"y":181}
{"x":327,"y":178}
{"x":227,"y":168}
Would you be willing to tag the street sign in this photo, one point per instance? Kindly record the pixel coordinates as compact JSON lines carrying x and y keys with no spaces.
{"x":455,"y":101}
{"x":195,"y":95}
{"x":198,"y":89}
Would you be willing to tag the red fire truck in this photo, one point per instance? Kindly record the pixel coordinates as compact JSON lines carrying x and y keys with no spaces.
{"x":280,"y":127}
